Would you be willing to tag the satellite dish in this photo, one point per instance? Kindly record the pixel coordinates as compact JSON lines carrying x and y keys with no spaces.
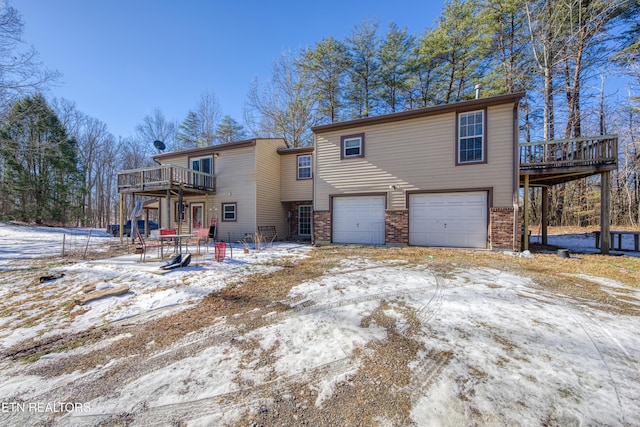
{"x":159,"y":145}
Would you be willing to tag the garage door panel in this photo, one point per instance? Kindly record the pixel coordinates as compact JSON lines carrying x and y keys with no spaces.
{"x":359,"y":220}
{"x":448,"y":219}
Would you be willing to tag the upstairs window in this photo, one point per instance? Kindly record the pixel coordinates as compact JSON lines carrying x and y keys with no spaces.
{"x":352,"y":146}
{"x":471,"y":137}
{"x":304,"y":166}
{"x":205,"y":165}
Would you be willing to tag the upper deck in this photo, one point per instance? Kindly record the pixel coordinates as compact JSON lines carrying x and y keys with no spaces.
{"x":554,"y":162}
{"x":156,"y":181}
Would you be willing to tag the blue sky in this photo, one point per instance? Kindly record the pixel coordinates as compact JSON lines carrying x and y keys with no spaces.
{"x":121,"y":59}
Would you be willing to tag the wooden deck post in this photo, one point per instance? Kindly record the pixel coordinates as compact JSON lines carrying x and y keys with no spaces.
{"x":605,"y":209}
{"x":168,"y":220}
{"x":121,"y":231}
{"x":545,"y":213}
{"x":525,"y":214}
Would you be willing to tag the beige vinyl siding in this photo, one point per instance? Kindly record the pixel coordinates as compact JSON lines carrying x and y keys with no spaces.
{"x":270,"y":210}
{"x":292,"y":188}
{"x":413,"y":155}
{"x":182,"y":161}
{"x":236,"y":183}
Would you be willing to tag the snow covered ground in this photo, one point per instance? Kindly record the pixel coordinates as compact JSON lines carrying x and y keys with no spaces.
{"x":479,"y":345}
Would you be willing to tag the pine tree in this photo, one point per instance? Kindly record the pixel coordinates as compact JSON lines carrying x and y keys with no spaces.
{"x":363,"y":73}
{"x":459,"y":48}
{"x":394,"y":58}
{"x":189,"y":131}
{"x":229,"y":130}
{"x":324,"y":68}
{"x":41,"y":180}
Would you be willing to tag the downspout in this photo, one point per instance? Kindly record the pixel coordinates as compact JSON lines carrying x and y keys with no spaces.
{"x":313,"y":189}
{"x":516,"y":177}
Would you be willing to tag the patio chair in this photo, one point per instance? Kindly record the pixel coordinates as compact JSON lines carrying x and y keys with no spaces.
{"x":143,"y":246}
{"x":202,"y":237}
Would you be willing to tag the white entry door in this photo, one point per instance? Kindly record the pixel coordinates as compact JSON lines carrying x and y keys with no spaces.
{"x":448,"y":219}
{"x":359,"y":220}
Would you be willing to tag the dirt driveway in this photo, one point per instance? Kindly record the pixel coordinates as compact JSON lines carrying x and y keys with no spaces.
{"x":355,"y":336}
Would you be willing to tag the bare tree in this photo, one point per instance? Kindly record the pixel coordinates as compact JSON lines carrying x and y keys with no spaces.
{"x":282,"y":107}
{"x":155,"y":127}
{"x":98,"y":159}
{"x":21,"y":71}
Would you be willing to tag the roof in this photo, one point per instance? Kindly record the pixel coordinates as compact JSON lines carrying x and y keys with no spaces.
{"x":422,"y":112}
{"x":209,"y":149}
{"x":296,"y":150}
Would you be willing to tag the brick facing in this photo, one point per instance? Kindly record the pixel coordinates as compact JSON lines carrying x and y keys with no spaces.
{"x":501,"y":229}
{"x":397,"y":228}
{"x":322,"y":226}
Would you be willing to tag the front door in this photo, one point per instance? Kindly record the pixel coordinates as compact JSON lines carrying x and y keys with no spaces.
{"x":304,"y":220}
{"x":197,"y":217}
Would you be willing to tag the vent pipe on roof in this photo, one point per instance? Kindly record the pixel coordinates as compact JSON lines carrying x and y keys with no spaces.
{"x":478,"y":87}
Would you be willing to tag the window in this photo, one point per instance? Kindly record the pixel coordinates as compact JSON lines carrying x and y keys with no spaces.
{"x":471,"y":139}
{"x":179,"y":210}
{"x":352,"y":146}
{"x":304,"y":166}
{"x":229,"y":212}
{"x":304,"y":220}
{"x":202,"y":164}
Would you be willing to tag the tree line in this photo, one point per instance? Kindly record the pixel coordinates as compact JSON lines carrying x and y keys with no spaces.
{"x":60,"y":166}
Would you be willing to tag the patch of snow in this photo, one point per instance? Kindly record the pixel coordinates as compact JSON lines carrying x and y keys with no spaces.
{"x":498,"y":349}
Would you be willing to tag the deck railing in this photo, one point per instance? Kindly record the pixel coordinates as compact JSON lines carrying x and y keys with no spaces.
{"x":164,"y":176}
{"x":588,"y":151}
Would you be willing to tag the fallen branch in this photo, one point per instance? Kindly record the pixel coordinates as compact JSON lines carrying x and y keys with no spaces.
{"x":94,"y":295}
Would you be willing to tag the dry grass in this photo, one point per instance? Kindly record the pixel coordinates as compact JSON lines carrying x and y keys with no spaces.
{"x":379,"y":391}
{"x":262,"y":291}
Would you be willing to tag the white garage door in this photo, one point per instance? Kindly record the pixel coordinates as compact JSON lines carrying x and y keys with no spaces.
{"x":448,"y":219}
{"x":359,"y":219}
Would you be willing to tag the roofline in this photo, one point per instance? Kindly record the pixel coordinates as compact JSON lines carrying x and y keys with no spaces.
{"x":296,"y":150}
{"x":421,"y":112}
{"x":212,"y":148}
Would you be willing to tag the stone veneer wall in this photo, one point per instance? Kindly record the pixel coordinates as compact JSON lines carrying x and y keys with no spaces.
{"x":321,"y":227}
{"x":397,"y":226}
{"x":501,"y":229}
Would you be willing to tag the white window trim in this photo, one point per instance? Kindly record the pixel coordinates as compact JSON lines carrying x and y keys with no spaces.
{"x":235,"y":211}
{"x":192,"y":160}
{"x":483,"y":158}
{"x":348,"y":138}
{"x":198,"y":159}
{"x":305,"y":167}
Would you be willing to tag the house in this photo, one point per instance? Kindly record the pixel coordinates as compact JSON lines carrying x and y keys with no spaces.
{"x":440,"y":176}
{"x":239,"y":186}
{"x":447,"y":176}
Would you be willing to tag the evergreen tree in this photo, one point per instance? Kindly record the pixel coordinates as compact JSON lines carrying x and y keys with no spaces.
{"x":189,"y":131}
{"x":229,"y":130}
{"x":324,"y":68}
{"x":510,"y":64}
{"x":426,"y":72}
{"x":394,"y":58}
{"x":199,"y":127}
{"x":363,"y":73}
{"x":41,"y":180}
{"x":459,"y":46}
